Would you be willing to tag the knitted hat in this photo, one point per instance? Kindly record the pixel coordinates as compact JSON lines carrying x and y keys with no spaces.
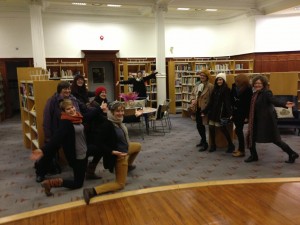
{"x":222,"y":75}
{"x":205,"y":72}
{"x":99,"y":90}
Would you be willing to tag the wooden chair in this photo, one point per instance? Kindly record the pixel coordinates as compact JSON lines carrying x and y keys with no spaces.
{"x":133,"y":122}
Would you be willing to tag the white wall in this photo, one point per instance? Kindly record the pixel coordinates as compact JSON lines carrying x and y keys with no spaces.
{"x":277,"y":34}
{"x":66,"y":36}
{"x":15,"y":36}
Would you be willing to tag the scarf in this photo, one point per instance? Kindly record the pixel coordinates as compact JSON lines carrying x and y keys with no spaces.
{"x":74,"y":119}
{"x":118,"y":123}
{"x":251,"y":120}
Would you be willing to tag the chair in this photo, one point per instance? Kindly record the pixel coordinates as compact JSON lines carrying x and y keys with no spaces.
{"x":294,"y":121}
{"x":131,"y":120}
{"x":159,"y":122}
{"x":167,"y":114}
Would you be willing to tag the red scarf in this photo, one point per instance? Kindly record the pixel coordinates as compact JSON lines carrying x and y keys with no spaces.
{"x":251,"y":120}
{"x":74,"y":119}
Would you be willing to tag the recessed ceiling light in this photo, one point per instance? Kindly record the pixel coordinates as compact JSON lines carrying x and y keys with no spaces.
{"x":211,"y":10}
{"x":78,"y":3}
{"x":113,"y":5}
{"x":183,"y":9}
{"x":297,"y":8}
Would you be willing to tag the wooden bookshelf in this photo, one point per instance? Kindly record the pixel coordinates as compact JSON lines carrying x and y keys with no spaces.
{"x":33,"y":95}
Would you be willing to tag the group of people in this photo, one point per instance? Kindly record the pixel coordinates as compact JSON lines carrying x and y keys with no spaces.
{"x":86,"y":129}
{"x":94,"y":129}
{"x":245,"y":103}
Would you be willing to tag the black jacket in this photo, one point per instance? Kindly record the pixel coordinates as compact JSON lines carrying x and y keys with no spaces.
{"x":139,"y":85}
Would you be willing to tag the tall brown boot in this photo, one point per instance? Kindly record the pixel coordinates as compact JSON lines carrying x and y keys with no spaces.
{"x":90,"y":171}
{"x":50,"y":183}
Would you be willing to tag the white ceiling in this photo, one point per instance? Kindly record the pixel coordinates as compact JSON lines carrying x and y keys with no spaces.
{"x":227,"y":9}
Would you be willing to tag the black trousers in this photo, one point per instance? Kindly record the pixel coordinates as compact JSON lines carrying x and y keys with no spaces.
{"x":200,"y":126}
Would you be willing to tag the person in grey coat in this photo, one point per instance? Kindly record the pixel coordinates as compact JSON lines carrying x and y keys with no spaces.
{"x":262,"y":127}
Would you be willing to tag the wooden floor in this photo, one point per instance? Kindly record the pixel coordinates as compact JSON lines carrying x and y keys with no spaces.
{"x":259,"y":201}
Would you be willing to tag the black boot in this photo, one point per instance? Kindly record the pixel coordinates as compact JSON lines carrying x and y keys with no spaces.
{"x":88,"y":193}
{"x":212,"y":148}
{"x":200,"y":143}
{"x":204,"y":147}
{"x":230,"y":148}
{"x":253,"y":157}
{"x":292,"y":155}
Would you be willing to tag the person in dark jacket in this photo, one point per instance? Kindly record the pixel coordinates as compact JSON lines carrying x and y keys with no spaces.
{"x":219,"y":106}
{"x":71,"y":136}
{"x":139,"y":83}
{"x":111,"y":136}
{"x":262,"y":127}
{"x":100,"y":99}
{"x":80,"y":91}
{"x":241,"y":93}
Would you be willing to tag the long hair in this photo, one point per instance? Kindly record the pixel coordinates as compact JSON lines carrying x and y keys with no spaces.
{"x":242,"y":82}
{"x":77,"y":89}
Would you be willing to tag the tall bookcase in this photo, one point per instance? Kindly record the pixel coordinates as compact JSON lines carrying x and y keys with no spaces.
{"x":129,"y":67}
{"x":33,"y":95}
{"x":2,"y":99}
{"x":182,"y":77}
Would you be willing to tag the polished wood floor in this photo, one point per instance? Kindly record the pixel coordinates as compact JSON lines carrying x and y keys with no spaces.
{"x":259,"y":201}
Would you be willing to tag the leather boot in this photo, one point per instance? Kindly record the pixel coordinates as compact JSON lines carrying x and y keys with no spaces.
{"x":230,"y":148}
{"x":200,"y":143}
{"x":212,"y":148}
{"x":88,"y":193}
{"x":292,"y":157}
{"x":90,"y":171}
{"x":253,"y":157}
{"x":50,"y":183}
{"x":204,"y":147}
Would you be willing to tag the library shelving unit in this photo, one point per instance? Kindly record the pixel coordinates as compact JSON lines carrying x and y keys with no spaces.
{"x":2,"y":99}
{"x":128,"y":68}
{"x":183,"y":70}
{"x":65,"y":69}
{"x":33,"y":95}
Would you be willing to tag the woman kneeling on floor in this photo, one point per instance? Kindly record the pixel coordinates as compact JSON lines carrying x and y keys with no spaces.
{"x":70,"y":135}
{"x":118,"y":154}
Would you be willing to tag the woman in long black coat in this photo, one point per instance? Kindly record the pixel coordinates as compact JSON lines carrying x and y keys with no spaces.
{"x":262,"y":126}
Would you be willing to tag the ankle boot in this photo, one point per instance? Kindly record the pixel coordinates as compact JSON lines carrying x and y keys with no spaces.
{"x":230,"y":148}
{"x":292,"y":157}
{"x":212,"y":148}
{"x":50,"y":183}
{"x":90,"y":171}
{"x":253,"y":157}
{"x":200,"y":143}
{"x":204,"y":147}
{"x":88,"y":193}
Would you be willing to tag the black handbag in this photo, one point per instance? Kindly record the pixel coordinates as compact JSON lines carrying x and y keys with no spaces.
{"x":223,"y":120}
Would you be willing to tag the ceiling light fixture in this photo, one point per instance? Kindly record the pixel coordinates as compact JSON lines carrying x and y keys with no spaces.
{"x":297,"y":8}
{"x":113,"y":5}
{"x":211,"y":10}
{"x":78,"y":3}
{"x":183,"y":9}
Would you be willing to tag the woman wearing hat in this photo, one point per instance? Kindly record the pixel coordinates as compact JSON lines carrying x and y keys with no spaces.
{"x":100,"y":99}
{"x":80,"y":91}
{"x":219,"y":107}
{"x":200,"y":98}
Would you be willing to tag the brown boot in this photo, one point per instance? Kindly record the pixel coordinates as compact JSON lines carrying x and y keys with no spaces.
{"x":50,"y":183}
{"x":90,"y":171}
{"x":88,"y":193}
